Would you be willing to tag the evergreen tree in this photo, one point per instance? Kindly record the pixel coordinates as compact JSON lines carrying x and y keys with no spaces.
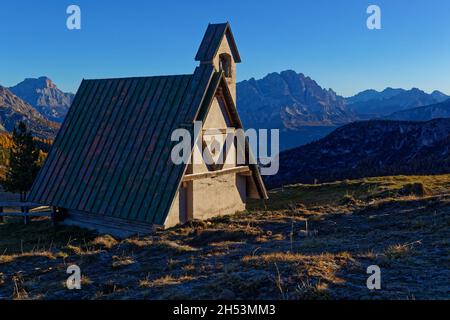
{"x":23,"y":162}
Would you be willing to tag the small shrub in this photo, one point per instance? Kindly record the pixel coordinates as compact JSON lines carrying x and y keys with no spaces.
{"x":347,"y":200}
{"x":413,"y":189}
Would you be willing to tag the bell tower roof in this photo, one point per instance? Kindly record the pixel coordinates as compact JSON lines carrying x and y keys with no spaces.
{"x":211,"y":42}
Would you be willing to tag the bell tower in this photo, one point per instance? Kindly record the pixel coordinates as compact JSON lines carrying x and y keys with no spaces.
{"x":219,"y":49}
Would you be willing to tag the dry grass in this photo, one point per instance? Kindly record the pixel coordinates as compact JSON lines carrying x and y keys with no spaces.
{"x":315,"y":246}
{"x":400,"y":251}
{"x":105,"y":242}
{"x":275,"y":257}
{"x":140,"y":243}
{"x":172,"y":245}
{"x":298,"y":266}
{"x":4,"y":259}
{"x":163,"y":281}
{"x":122,"y":261}
{"x":351,"y":192}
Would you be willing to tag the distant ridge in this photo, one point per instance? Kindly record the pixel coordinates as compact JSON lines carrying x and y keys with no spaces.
{"x":434,"y":111}
{"x":369,"y":148}
{"x":372,"y":104}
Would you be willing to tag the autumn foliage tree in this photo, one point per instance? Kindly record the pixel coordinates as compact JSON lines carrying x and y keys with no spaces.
{"x":23,"y":162}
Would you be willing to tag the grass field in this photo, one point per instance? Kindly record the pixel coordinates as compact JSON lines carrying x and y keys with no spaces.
{"x":306,"y":242}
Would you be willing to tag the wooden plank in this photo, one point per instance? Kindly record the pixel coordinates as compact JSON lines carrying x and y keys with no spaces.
{"x":212,"y":174}
{"x":213,"y":131}
{"x":23,"y":214}
{"x":19,"y":204}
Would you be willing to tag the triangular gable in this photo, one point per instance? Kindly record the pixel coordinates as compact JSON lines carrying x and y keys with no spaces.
{"x":212,"y":40}
{"x":219,"y":81}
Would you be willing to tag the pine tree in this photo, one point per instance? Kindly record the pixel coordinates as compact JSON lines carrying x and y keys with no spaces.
{"x":23,"y":162}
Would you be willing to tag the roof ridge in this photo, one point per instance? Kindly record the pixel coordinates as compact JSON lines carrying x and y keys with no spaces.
{"x":142,"y":77}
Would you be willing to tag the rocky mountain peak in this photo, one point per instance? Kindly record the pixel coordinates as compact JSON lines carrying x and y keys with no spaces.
{"x":288,"y":100}
{"x":45,"y":96}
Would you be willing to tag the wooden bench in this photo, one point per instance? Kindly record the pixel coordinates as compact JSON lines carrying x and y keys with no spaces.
{"x":28,"y":210}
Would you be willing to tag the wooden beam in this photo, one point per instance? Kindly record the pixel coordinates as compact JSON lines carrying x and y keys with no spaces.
{"x":214,"y":131}
{"x":212,"y":174}
{"x":19,"y":204}
{"x":24,"y":214}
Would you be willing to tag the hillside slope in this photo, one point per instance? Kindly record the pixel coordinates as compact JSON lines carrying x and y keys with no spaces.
{"x":426,"y":113}
{"x":14,"y":109}
{"x":310,"y":242}
{"x":369,"y":148}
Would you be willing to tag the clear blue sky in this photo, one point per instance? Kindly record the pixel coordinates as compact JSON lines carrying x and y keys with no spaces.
{"x":327,"y":40}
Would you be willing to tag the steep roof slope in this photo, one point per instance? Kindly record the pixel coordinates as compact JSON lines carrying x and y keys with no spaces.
{"x":112,"y":154}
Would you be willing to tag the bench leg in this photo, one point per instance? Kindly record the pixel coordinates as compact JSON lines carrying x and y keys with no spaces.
{"x":54,"y":216}
{"x":26,"y":219}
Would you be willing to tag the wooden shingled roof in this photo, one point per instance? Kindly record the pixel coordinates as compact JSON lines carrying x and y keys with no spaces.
{"x":112,"y":154}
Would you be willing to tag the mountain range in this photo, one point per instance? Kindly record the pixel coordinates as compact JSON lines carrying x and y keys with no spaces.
{"x":372,"y":104}
{"x":290,"y":101}
{"x":293,"y":103}
{"x":368,"y":148}
{"x":305,"y":112}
